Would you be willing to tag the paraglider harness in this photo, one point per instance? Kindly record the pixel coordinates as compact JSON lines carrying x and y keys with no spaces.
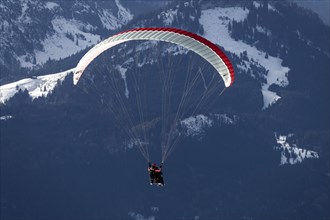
{"x":155,"y":174}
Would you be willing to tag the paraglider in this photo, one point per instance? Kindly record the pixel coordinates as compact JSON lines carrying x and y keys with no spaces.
{"x":196,"y":88}
{"x":156,"y":174}
{"x":191,"y":41}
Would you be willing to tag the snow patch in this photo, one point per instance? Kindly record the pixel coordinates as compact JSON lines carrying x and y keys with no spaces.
{"x":168,"y":16}
{"x":195,"y":126}
{"x":272,"y":8}
{"x":24,"y":18}
{"x":291,"y":154}
{"x":60,"y":45}
{"x":256,"y":4}
{"x":123,"y":14}
{"x":51,"y":5}
{"x":83,"y":8}
{"x":224,"y":119}
{"x":6,"y":117}
{"x":67,"y":40}
{"x":261,"y":29}
{"x":215,"y":23}
{"x":122,"y":72}
{"x":36,"y":86}
{"x":111,"y":22}
{"x":138,"y":216}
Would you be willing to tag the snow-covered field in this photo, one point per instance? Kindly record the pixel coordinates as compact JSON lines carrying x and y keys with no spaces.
{"x":215,"y":23}
{"x":59,"y":46}
{"x":36,"y":86}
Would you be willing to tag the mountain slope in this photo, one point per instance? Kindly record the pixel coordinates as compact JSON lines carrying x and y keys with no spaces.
{"x":260,"y":152}
{"x":35,"y":32}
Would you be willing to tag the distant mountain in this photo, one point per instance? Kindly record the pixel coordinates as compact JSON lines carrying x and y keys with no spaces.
{"x":35,"y":32}
{"x":261,"y":151}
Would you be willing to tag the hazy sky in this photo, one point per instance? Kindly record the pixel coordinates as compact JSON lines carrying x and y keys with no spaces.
{"x":322,"y":7}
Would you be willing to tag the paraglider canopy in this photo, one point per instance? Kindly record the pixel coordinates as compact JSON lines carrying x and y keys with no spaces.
{"x":189,"y":40}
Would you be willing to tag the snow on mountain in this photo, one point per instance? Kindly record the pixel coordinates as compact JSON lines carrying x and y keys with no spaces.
{"x":168,"y":16}
{"x":256,"y":4}
{"x":51,"y":5}
{"x":71,"y":36}
{"x":224,"y":119}
{"x":291,"y":153}
{"x":6,"y":117}
{"x":36,"y":86}
{"x":109,"y":21}
{"x":60,"y":44}
{"x":123,"y":14}
{"x":195,"y":126}
{"x":65,"y":28}
{"x":215,"y":22}
{"x":113,"y":22}
{"x":122,"y":72}
{"x":138,"y":216}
